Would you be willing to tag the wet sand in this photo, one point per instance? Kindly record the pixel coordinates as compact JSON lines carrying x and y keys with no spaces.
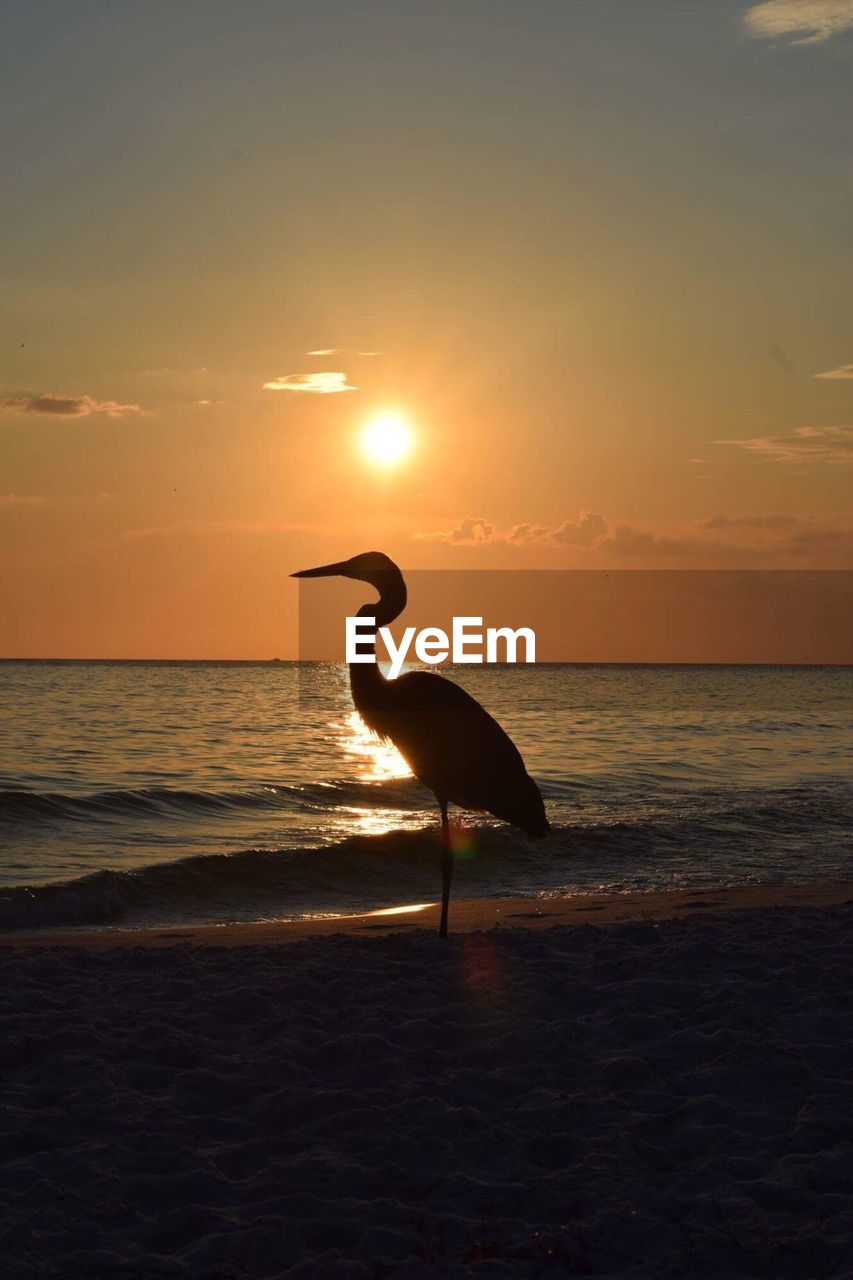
{"x":466,"y":915}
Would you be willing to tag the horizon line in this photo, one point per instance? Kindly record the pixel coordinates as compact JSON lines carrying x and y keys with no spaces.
{"x":548,"y":662}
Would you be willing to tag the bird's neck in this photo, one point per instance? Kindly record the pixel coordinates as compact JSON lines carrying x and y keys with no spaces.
{"x":368,"y":686}
{"x":391,"y":602}
{"x":367,"y":682}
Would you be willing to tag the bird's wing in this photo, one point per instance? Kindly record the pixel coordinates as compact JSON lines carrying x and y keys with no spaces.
{"x":450,"y":742}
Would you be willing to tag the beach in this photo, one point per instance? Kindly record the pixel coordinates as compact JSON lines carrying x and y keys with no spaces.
{"x":648,"y":1085}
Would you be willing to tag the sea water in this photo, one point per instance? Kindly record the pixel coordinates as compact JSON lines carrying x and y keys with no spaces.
{"x":137,"y":793}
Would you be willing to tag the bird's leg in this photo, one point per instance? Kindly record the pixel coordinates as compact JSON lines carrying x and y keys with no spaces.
{"x":446,"y":868}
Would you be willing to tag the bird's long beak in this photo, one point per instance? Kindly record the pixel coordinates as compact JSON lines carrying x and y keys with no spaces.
{"x":324,"y":571}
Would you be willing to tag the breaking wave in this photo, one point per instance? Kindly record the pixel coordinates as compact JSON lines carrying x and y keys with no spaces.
{"x":665,"y":849}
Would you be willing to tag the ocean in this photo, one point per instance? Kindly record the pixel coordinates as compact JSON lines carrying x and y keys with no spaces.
{"x":135,"y":794}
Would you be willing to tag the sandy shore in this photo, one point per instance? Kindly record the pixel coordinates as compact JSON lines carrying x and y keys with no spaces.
{"x":467,"y":915}
{"x":669,"y":1096}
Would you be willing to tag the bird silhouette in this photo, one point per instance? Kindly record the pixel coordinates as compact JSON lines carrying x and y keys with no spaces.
{"x":451,"y":743}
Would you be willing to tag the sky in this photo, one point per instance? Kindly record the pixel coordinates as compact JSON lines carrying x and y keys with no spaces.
{"x":594,"y":254}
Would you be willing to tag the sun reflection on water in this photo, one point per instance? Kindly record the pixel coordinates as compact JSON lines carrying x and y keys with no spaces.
{"x":370,"y":822}
{"x":376,"y":760}
{"x":402,"y":911}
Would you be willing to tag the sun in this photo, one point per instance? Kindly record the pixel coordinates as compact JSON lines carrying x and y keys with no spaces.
{"x":387,"y":439}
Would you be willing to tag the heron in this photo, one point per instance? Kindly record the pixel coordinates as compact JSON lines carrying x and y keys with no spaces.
{"x":451,"y":744}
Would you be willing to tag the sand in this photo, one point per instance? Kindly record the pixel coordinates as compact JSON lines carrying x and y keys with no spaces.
{"x":664,"y":1095}
{"x":466,"y":915}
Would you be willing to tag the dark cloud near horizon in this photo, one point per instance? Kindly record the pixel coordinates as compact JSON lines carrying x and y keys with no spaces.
{"x":66,"y":406}
{"x":592,"y":532}
{"x":748,"y":522}
{"x":477,"y":531}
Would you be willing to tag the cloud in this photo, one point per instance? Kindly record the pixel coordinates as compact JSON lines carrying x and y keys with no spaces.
{"x":476,"y":531}
{"x":748,"y":522}
{"x":802,"y":21}
{"x":21,"y":500}
{"x":336,"y":351}
{"x":522,"y":533}
{"x":776,"y":537}
{"x":321,"y":384}
{"x":799,"y":541}
{"x":625,"y":540}
{"x":473,"y":530}
{"x":588,"y":528}
{"x":806,"y":444}
{"x":207,"y":404}
{"x":66,"y":406}
{"x":810,"y":539}
{"x":842,"y":372}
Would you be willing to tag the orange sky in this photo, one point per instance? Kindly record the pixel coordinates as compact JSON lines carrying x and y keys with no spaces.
{"x":600,"y":260}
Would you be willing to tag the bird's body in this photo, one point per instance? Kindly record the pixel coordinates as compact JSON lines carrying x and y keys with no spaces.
{"x":451,"y":743}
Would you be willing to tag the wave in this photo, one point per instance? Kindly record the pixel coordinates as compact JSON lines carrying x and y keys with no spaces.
{"x":24,"y":806}
{"x":363,"y":869}
{"x":361,"y":872}
{"x":18,"y":805}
